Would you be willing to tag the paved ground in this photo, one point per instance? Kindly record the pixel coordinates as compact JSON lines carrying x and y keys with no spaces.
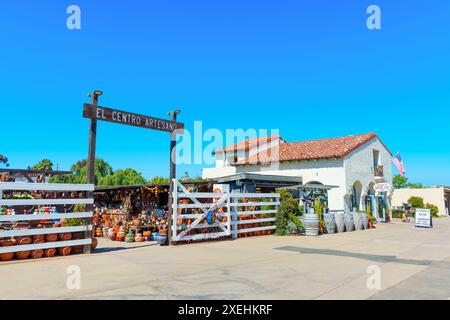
{"x":414,"y":264}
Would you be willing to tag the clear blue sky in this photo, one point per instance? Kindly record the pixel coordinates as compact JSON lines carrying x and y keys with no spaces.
{"x":310,"y":68}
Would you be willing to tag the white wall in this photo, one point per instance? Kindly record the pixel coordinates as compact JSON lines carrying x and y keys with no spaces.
{"x":359,"y":166}
{"x":328,"y":172}
{"x":430,"y":195}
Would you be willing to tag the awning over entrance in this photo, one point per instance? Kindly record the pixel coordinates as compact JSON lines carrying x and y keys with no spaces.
{"x":309,"y":187}
{"x":248,"y":181}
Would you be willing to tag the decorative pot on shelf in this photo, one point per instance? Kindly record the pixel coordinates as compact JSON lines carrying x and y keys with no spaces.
{"x":51,"y":237}
{"x":129,"y":238}
{"x":162,"y":237}
{"x":154,"y":236}
{"x":98,"y":232}
{"x":139,"y":237}
{"x":65,"y":236}
{"x":66,"y":251}
{"x":49,"y":253}
{"x":7,"y":256}
{"x":147,"y":235}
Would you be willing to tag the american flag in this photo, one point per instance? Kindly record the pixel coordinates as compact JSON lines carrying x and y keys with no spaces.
{"x":397,"y":160}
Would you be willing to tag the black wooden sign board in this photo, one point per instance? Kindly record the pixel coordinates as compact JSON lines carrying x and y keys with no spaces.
{"x":94,"y":112}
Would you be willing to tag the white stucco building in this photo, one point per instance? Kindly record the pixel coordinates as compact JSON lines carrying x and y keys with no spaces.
{"x":354,"y":164}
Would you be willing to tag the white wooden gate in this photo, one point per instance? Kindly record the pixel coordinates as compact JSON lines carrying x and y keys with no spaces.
{"x":235,"y":214}
{"x":19,"y":217}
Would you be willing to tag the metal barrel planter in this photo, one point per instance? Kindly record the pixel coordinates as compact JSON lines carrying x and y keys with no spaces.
{"x":311,"y":225}
{"x":365,"y":220}
{"x":348,"y":221}
{"x":339,"y":219}
{"x":357,"y":220}
{"x":330,"y":223}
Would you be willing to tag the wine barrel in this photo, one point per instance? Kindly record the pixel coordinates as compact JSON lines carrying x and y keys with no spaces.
{"x":348,"y":221}
{"x":330,"y":223}
{"x":311,"y":225}
{"x":339,"y":219}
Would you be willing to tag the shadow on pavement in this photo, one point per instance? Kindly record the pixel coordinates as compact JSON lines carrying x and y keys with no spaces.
{"x":115,"y":249}
{"x":372,"y":257}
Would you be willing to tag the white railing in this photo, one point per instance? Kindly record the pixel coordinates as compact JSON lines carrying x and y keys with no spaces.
{"x":236,"y":213}
{"x":33,"y":187}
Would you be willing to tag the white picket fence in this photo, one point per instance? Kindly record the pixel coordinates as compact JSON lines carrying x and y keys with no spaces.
{"x":32,"y":187}
{"x":226,"y":208}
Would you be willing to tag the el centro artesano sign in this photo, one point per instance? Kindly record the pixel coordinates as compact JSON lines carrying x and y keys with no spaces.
{"x":91,"y":111}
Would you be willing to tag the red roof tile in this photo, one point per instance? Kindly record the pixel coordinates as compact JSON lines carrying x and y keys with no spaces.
{"x":249,"y":144}
{"x":310,"y":150}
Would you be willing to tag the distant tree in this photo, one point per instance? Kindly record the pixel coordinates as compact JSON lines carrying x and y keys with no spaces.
{"x":79,"y":176}
{"x":123,"y":178}
{"x":160,"y":180}
{"x":45,"y":165}
{"x":400,"y":182}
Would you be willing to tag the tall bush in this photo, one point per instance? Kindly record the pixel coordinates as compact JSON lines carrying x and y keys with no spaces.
{"x":416,"y":202}
{"x":288,"y":215}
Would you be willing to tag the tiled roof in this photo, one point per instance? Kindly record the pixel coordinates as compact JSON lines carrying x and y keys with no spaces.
{"x":248,"y":144}
{"x":310,"y":150}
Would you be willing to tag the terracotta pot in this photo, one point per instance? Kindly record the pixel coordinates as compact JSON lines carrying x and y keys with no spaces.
{"x":77,"y":235}
{"x":24,"y":241}
{"x":99,"y":232}
{"x":39,"y":238}
{"x":23,"y":255}
{"x":49,"y":253}
{"x":51,"y":237}
{"x":94,"y":244}
{"x":37,"y":254}
{"x":7,"y":256}
{"x":65,"y":236}
{"x":66,"y":251}
{"x":77,"y":249}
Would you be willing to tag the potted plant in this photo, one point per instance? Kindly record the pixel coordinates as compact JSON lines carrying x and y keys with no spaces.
{"x":372,"y":220}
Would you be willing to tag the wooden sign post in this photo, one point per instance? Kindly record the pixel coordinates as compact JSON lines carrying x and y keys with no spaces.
{"x":95,"y":113}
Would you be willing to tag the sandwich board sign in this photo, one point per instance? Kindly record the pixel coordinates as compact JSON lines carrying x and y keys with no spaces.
{"x":423,"y":218}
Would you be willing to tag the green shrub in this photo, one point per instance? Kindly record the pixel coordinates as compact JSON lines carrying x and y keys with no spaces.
{"x":434,"y":209}
{"x":416,"y":202}
{"x":288,"y":220}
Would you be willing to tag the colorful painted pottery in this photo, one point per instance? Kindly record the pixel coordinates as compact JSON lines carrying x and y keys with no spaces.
{"x":105,"y":232}
{"x":66,"y":251}
{"x":7,"y":256}
{"x":49,"y":253}
{"x":161,"y":239}
{"x":139,"y":238}
{"x":98,"y":232}
{"x":129,"y":238}
{"x":154,"y":236}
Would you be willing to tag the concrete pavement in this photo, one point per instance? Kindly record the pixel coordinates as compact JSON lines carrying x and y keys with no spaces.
{"x":414,"y":264}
